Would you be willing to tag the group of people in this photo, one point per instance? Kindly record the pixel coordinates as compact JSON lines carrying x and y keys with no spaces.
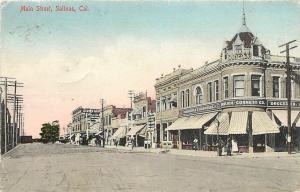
{"x":220,"y":145}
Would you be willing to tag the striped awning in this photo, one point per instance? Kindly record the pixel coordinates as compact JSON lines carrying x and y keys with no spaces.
{"x":282,"y":116}
{"x":120,"y":133}
{"x":262,"y":124}
{"x":134,"y":130}
{"x":213,"y":129}
{"x":238,"y":123}
{"x":193,"y":122}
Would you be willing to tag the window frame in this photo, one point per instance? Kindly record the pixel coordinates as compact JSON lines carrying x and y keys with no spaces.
{"x":234,"y":84}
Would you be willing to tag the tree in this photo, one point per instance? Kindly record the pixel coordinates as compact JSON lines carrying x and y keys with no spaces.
{"x":50,"y":132}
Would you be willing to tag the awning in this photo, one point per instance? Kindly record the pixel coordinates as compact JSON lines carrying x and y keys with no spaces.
{"x":99,"y":133}
{"x":193,"y":122}
{"x":72,"y":135}
{"x":143,"y":132}
{"x":135,"y":129}
{"x":238,"y":123}
{"x":282,"y":116}
{"x":223,"y":126}
{"x":94,"y":127}
{"x":262,"y":124}
{"x":121,"y":132}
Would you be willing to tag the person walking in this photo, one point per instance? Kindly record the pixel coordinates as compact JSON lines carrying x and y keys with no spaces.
{"x":229,"y":146}
{"x":195,"y":144}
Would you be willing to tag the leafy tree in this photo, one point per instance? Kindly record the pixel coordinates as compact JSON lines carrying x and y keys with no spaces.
{"x":50,"y":132}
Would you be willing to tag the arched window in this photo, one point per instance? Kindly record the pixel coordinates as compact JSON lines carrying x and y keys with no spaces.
{"x":182,"y":99}
{"x":199,"y":96}
{"x":187,"y":93}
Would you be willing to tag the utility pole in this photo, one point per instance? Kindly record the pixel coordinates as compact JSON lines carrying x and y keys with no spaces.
{"x":102,"y":120}
{"x":288,"y":91}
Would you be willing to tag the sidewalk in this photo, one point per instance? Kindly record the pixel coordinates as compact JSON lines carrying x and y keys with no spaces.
{"x":205,"y":153}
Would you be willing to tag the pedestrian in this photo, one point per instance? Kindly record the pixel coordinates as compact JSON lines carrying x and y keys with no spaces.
{"x":229,"y":146}
{"x":195,"y":143}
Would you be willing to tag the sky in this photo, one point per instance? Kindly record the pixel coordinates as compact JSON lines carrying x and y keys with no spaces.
{"x":72,"y":59}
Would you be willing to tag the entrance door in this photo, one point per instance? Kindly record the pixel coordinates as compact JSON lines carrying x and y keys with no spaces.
{"x":158,"y":134}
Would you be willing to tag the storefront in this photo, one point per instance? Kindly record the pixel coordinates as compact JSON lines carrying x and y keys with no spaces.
{"x":239,"y":98}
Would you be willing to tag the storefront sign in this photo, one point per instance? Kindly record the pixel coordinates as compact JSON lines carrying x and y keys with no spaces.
{"x":280,"y":103}
{"x":241,"y":102}
{"x":201,"y":109}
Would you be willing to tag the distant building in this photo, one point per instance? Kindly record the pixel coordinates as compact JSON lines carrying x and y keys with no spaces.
{"x":82,"y":119}
{"x":142,"y":106}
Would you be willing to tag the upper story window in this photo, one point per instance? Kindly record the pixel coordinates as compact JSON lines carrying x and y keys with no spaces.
{"x":217,"y":90}
{"x":276,"y":86}
{"x":209,"y":91}
{"x":255,"y":50}
{"x":239,"y":85}
{"x":255,"y":85}
{"x":226,"y":94}
{"x":199,"y":96}
{"x":182,"y":99}
{"x":187,"y":93}
{"x":158,"y":106}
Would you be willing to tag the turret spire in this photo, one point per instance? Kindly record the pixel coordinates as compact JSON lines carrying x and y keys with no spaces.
{"x":244,"y":17}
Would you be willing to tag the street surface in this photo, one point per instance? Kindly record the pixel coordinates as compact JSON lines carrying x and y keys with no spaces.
{"x":64,"y":167}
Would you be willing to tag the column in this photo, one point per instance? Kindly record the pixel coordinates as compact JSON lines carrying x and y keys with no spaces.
{"x":179,"y":140}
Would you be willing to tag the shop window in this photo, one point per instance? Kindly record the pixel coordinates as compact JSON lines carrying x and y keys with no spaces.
{"x":276,"y":87}
{"x":187,"y":93}
{"x":216,"y":90}
{"x":255,"y":50}
{"x":182,"y":99}
{"x":239,"y":85}
{"x":226,"y":94}
{"x":209,"y":91}
{"x":255,"y":85}
{"x":199,"y":96}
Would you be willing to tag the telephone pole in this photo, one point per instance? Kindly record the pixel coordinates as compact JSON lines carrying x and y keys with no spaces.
{"x":102,"y":121}
{"x":288,"y":91}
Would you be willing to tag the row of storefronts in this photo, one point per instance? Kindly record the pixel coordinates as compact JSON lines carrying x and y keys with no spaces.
{"x":238,"y":100}
{"x":115,"y":126}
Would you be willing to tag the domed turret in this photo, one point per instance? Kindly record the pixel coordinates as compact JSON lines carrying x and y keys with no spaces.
{"x":243,"y":46}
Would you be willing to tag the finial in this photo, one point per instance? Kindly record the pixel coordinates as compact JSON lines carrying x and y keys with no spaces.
{"x":244,"y":17}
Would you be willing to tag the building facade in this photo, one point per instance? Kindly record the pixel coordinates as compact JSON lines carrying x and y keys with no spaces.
{"x":82,"y":119}
{"x":111,"y":118}
{"x":142,"y":106}
{"x":239,"y":98}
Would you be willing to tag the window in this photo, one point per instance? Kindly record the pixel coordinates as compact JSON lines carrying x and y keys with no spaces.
{"x":199,"y":96}
{"x":225,"y":79}
{"x":209,"y":91}
{"x":187,"y":92}
{"x":165,"y":132}
{"x":182,"y":99}
{"x":239,"y":86}
{"x":144,"y":111}
{"x":216,"y":90}
{"x":109,"y":120}
{"x":157,"y":106}
{"x":255,"y":85}
{"x":255,"y":50}
{"x":276,"y":87}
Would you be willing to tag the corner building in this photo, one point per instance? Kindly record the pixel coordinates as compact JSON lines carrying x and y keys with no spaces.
{"x":240,"y":98}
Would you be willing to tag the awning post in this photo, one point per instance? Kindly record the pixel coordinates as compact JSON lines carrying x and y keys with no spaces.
{"x":250,"y":132}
